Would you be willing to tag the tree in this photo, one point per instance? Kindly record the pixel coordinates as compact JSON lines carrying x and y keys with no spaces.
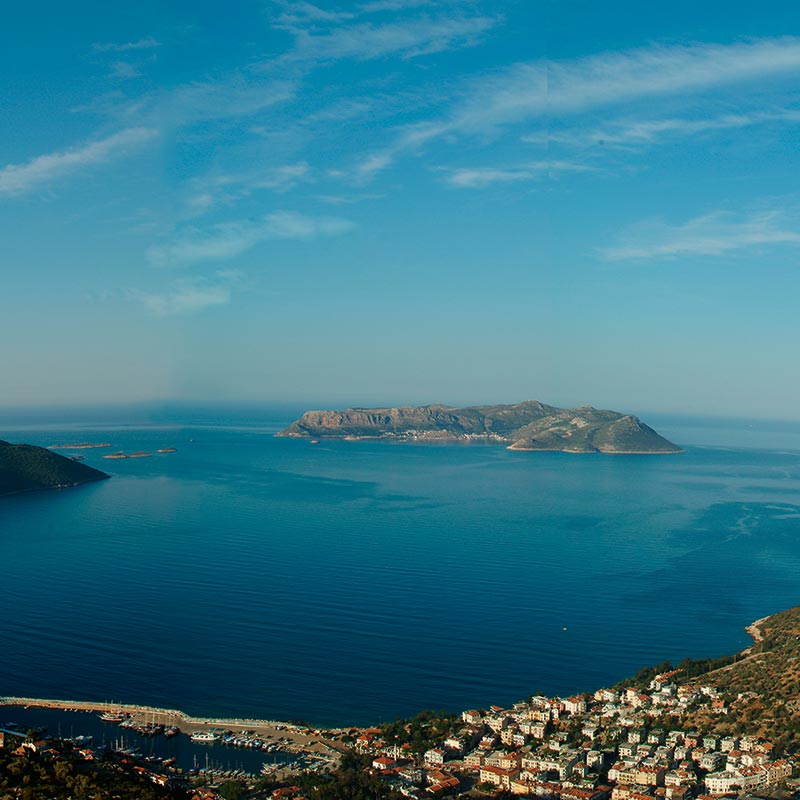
{"x":232,"y":790}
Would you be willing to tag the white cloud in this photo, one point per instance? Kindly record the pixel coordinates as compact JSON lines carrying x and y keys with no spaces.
{"x":405,"y":38}
{"x":713,"y":234}
{"x":234,"y":96}
{"x":628,"y":133}
{"x":569,"y":87}
{"x":230,"y":239}
{"x":412,"y":137}
{"x":480,"y":177}
{"x":297,"y":12}
{"x":563,"y":90}
{"x":347,"y":199}
{"x":124,"y":70}
{"x":189,"y":296}
{"x":378,"y":6}
{"x":228,"y":96}
{"x":20,"y":178}
{"x":210,"y":190}
{"x":148,"y":43}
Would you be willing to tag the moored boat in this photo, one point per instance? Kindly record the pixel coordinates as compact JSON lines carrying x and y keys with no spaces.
{"x":113,"y":716}
{"x":205,"y":737}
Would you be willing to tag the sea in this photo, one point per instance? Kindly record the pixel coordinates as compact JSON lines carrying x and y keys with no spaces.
{"x":344,"y":583}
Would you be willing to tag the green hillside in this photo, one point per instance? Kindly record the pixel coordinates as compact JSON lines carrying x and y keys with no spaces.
{"x":27,"y":468}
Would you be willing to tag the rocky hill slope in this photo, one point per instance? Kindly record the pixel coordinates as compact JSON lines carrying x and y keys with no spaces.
{"x":26,"y":468}
{"x":530,"y":425}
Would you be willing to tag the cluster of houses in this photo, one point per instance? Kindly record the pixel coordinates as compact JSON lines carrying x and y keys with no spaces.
{"x":605,"y":746}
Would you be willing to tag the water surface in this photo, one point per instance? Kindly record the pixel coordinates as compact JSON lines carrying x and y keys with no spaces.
{"x":349,"y":582}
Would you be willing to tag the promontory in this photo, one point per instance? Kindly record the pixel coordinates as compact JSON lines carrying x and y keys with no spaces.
{"x":529,"y":425}
{"x":26,"y":468}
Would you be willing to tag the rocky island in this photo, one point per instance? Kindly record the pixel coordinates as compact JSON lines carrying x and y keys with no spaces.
{"x":27,"y":468}
{"x":529,"y":425}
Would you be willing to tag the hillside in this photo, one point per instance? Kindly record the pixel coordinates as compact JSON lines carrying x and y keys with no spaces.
{"x":761,"y":688}
{"x":26,"y":468}
{"x":530,"y":425}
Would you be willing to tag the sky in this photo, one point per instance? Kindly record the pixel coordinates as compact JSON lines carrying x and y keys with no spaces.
{"x":402,"y":201}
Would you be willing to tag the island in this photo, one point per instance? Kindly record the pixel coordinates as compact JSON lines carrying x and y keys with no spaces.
{"x":27,"y":468}
{"x":529,"y":425}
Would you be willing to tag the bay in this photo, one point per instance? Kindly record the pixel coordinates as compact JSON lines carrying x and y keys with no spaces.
{"x":350,"y":582}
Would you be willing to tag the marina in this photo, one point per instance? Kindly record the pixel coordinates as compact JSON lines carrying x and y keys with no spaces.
{"x":220,"y":753}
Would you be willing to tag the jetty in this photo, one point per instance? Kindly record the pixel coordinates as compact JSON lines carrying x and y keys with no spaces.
{"x":299,"y":737}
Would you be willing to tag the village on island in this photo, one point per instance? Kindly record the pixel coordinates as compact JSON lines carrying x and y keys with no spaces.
{"x":615,"y":744}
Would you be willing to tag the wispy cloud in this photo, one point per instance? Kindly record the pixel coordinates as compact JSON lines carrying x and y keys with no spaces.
{"x":227,"y":96}
{"x":379,"y":6}
{"x":189,"y":295}
{"x":408,"y":38}
{"x":147,"y":43}
{"x":18,"y":179}
{"x":230,"y":239}
{"x":233,"y":96}
{"x":124,"y":70}
{"x":627,"y":133}
{"x":564,"y":90}
{"x":479,"y":177}
{"x":713,"y":234}
{"x":211,"y":190}
{"x":347,"y":199}
{"x":411,"y":138}
{"x":568,"y":87}
{"x":297,"y":12}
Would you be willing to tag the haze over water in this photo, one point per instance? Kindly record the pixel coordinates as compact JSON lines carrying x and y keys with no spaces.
{"x":349,"y":582}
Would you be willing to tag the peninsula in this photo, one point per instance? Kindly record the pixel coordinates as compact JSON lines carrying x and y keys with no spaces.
{"x":529,"y":425}
{"x":27,"y":468}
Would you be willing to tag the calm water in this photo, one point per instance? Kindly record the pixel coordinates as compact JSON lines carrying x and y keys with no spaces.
{"x":352,"y":582}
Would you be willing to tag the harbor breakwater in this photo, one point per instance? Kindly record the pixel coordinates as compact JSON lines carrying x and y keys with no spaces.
{"x":299,"y":735}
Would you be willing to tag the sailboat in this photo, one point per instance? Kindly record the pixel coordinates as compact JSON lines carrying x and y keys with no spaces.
{"x":112,"y":716}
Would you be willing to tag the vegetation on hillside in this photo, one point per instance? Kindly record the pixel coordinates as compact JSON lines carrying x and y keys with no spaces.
{"x":422,"y":731}
{"x":759,"y":687}
{"x":25,"y":468}
{"x":762,"y":688}
{"x":67,"y":775}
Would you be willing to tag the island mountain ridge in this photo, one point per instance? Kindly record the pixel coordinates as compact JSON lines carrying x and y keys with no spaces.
{"x":529,"y":425}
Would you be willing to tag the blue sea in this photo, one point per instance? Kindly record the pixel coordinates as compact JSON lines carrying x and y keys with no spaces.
{"x":352,"y":582}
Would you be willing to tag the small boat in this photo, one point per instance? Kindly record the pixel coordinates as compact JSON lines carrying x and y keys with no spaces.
{"x":205,"y":737}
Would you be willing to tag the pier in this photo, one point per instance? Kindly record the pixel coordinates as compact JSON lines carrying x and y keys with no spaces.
{"x":300,"y":738}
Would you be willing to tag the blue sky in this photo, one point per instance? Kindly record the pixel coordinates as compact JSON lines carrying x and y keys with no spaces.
{"x":402,"y":201}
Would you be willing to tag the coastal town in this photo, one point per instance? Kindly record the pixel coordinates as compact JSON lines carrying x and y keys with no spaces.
{"x":614,"y":744}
